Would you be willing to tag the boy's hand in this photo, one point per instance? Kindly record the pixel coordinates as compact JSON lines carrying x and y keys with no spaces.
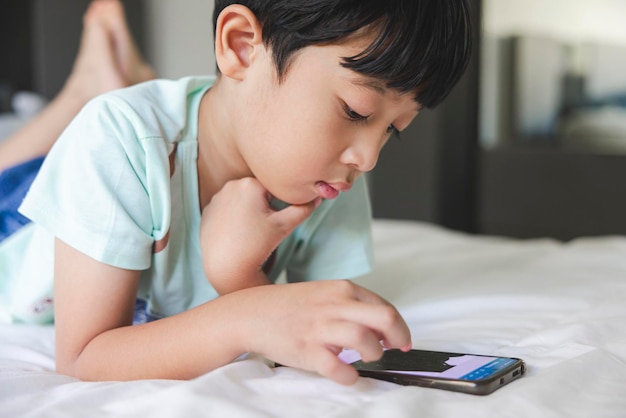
{"x":239,"y":230}
{"x":306,"y":325}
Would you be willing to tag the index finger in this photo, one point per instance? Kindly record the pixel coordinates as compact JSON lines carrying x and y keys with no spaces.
{"x":381,"y":317}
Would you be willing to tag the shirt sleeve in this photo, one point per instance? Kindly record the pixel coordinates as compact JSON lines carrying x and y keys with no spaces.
{"x":94,"y":189}
{"x":336,"y":241}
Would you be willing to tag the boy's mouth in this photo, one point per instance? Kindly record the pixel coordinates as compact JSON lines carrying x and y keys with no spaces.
{"x":326,"y":191}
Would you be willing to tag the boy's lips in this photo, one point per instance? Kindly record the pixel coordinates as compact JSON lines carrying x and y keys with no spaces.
{"x":328,"y":191}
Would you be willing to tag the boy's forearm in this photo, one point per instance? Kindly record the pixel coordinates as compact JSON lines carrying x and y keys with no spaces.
{"x":300,"y":325}
{"x":224,"y":286}
{"x":183,"y":346}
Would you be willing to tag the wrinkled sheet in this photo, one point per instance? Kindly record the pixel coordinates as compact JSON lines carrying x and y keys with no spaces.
{"x":560,"y":307}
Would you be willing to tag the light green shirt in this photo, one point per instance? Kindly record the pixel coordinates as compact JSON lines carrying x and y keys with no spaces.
{"x":121,"y":186}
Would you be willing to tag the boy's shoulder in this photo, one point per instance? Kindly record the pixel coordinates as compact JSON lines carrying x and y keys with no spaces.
{"x":156,"y":107}
{"x":161,"y":92}
{"x":168,"y":86}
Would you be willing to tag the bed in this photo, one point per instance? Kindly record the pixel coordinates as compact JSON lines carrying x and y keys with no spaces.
{"x":559,"y":306}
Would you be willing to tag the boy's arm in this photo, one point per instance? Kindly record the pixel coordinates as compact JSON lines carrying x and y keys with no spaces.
{"x":95,"y":339}
{"x":301,"y":325}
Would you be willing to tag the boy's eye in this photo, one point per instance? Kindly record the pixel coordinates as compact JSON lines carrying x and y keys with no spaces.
{"x":393,"y":131}
{"x":356,"y":117}
{"x":352,"y":115}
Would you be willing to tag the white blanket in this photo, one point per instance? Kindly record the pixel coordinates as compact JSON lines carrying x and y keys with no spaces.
{"x":560,"y":307}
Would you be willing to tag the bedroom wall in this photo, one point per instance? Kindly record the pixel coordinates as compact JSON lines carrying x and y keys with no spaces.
{"x":179,"y":37}
{"x":599,"y":20}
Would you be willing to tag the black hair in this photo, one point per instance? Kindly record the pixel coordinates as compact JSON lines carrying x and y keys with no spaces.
{"x":420,"y":46}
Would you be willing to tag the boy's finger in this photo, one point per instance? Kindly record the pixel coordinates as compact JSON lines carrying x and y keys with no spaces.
{"x":293,"y":215}
{"x":354,"y":336}
{"x":383,"y":319}
{"x":329,"y":365}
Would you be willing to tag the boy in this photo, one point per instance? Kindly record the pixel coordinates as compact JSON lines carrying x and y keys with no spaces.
{"x":193,"y":195}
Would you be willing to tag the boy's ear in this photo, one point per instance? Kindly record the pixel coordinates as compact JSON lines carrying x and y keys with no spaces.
{"x":238,"y":36}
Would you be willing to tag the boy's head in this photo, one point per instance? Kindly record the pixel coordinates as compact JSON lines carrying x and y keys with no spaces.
{"x":415,"y":46}
{"x":311,"y":90}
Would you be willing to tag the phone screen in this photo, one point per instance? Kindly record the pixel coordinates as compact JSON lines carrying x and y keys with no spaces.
{"x":432,"y":364}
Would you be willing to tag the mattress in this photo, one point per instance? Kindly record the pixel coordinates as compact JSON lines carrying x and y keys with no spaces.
{"x":559,"y":306}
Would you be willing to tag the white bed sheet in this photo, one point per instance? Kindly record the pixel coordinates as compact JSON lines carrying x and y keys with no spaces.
{"x":560,"y":307}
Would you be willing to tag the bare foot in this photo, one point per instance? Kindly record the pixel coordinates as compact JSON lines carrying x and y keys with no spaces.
{"x":107,"y":58}
{"x":132,"y":64}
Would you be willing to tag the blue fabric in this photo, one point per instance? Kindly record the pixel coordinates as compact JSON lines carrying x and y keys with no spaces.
{"x":142,"y":315}
{"x":14,"y":184}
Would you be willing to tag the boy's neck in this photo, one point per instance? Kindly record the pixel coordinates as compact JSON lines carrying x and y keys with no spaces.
{"x":219,"y":160}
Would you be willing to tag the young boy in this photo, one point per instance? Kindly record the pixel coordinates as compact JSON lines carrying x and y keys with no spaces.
{"x":194,"y":195}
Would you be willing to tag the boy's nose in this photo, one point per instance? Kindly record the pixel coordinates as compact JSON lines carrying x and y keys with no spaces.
{"x":362,"y":154}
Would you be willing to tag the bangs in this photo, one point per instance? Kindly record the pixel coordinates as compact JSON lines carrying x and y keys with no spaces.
{"x":414,"y":53}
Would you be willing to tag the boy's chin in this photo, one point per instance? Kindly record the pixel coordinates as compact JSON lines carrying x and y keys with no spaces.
{"x":293,"y":200}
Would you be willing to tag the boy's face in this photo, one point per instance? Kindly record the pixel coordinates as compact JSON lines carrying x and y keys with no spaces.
{"x":322,"y":127}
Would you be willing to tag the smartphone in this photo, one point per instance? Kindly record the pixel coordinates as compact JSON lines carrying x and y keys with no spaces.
{"x":469,"y":373}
